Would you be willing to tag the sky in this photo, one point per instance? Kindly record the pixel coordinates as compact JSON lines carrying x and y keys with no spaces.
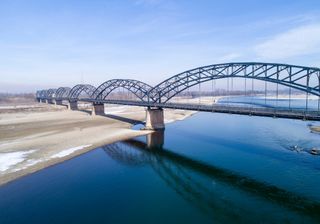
{"x":48,"y":44}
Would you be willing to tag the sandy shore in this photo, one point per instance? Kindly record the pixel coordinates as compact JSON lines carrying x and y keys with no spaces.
{"x":36,"y":136}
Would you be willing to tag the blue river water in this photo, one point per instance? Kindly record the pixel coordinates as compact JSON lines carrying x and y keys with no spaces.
{"x":312,"y":104}
{"x":208,"y":168}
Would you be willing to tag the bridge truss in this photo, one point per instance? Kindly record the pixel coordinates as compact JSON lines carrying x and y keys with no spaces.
{"x":297,"y":77}
{"x":139,"y":89}
{"x":305,"y":79}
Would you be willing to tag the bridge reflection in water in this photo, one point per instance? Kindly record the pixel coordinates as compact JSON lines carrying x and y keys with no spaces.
{"x":220,"y":193}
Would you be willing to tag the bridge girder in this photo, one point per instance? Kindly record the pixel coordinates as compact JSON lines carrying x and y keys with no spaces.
{"x":138,"y":88}
{"x":296,"y":77}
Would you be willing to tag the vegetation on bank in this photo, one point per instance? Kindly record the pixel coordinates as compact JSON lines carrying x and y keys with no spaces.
{"x":17,"y":98}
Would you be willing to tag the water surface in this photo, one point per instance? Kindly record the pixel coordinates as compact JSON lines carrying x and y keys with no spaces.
{"x":209,"y":168}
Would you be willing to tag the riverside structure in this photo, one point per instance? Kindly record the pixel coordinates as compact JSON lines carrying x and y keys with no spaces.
{"x":305,"y":79}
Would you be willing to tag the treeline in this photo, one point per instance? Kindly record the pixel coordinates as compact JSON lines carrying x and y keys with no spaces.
{"x":16,"y":97}
{"x":27,"y":95}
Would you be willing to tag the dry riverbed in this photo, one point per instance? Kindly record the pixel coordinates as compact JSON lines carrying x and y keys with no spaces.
{"x":33,"y":137}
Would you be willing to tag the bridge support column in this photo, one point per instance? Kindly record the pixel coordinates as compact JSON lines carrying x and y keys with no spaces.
{"x":73,"y":105}
{"x":97,"y":109}
{"x":154,"y":119}
{"x":155,"y":140}
{"x":58,"y":102}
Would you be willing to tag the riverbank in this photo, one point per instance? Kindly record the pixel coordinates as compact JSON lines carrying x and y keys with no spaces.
{"x":42,"y":135}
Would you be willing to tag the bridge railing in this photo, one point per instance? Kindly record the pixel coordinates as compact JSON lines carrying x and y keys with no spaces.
{"x":214,"y":107}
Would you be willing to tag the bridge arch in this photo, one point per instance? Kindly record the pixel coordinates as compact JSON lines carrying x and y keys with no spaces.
{"x":138,"y":88}
{"x":62,"y":92}
{"x":297,"y":77}
{"x":43,"y":93}
{"x":51,"y":93}
{"x":39,"y":94}
{"x":77,"y":90}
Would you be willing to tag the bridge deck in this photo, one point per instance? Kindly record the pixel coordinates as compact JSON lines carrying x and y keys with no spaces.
{"x":216,"y":108}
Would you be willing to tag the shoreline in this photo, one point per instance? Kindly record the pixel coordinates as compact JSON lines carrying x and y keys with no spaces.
{"x":52,"y":162}
{"x":32,"y":141}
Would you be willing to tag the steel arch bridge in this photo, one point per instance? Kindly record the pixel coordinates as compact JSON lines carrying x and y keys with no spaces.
{"x":138,"y":88}
{"x":305,"y":79}
{"x":297,"y":77}
{"x":41,"y":94}
{"x":51,"y":93}
{"x":62,"y":93}
{"x":81,"y":89}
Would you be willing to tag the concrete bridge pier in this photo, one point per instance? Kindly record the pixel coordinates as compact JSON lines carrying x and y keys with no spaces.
{"x":154,"y":119}
{"x":72,"y":105}
{"x":97,"y":109}
{"x":58,"y":102}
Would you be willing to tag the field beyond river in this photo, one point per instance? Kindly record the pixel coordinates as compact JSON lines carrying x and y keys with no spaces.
{"x":34,"y":136}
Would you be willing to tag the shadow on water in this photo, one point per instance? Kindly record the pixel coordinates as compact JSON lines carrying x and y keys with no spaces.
{"x":185,"y":176}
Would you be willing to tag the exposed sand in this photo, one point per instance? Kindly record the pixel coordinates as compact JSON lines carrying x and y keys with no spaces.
{"x":34,"y":137}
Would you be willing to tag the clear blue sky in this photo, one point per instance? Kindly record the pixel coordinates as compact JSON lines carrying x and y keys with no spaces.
{"x":51,"y":43}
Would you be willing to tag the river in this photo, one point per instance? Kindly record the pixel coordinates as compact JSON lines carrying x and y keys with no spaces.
{"x":209,"y":168}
